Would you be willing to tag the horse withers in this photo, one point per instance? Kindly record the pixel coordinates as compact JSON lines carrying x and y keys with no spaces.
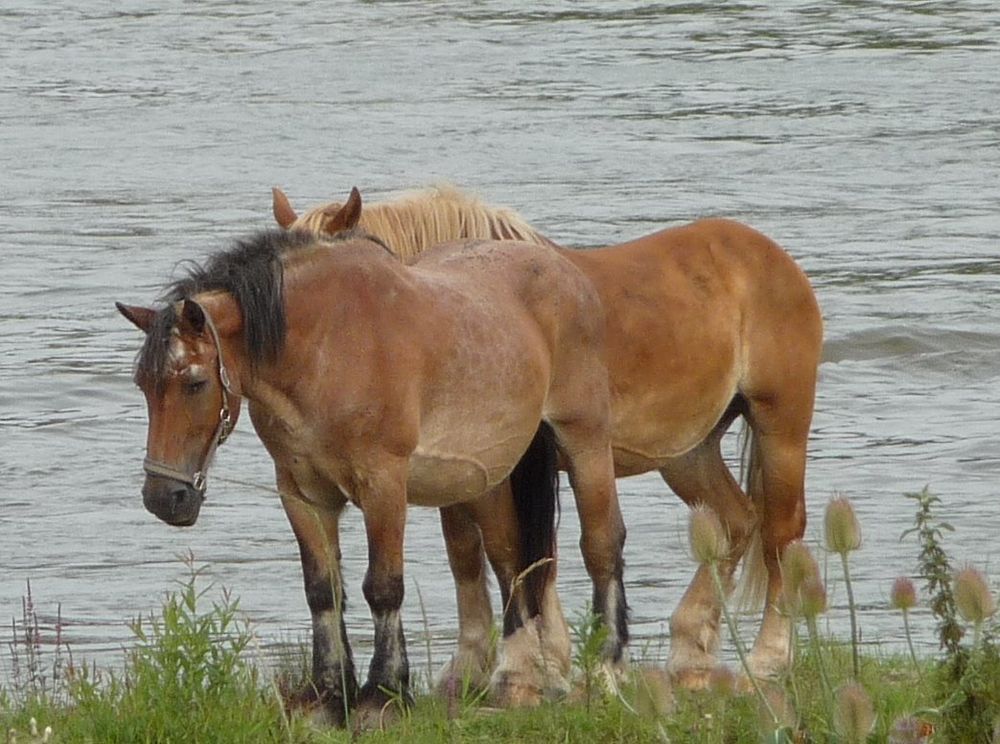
{"x":706,"y":322}
{"x":357,"y":404}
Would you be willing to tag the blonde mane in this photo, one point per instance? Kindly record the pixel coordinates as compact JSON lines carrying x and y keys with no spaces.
{"x":415,"y":221}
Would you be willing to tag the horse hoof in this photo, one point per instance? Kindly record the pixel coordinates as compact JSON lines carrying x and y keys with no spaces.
{"x":325,"y":710}
{"x":691,"y":678}
{"x":377,"y":711}
{"x":768,"y":665}
{"x":510,"y":690}
{"x":375,"y":717}
{"x":458,"y":679}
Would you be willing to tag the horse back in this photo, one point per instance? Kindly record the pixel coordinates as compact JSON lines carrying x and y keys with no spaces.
{"x":693,"y":314}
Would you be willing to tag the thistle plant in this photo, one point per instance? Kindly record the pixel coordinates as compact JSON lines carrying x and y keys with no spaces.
{"x":843,"y":534}
{"x":805,"y":597}
{"x":654,"y":697}
{"x":710,"y":546}
{"x":854,"y":715}
{"x":797,"y":564}
{"x":813,"y":604}
{"x":910,"y":730}
{"x":973,"y":600}
{"x":43,"y":737}
{"x":904,"y":598}
{"x":776,"y":717}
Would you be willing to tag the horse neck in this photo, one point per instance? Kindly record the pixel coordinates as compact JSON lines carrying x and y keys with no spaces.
{"x":411,"y":227}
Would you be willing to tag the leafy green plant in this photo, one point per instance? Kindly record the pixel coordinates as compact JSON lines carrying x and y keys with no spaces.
{"x":185,"y":680}
{"x":590,"y":634}
{"x":935,"y":568}
{"x":968,"y":679}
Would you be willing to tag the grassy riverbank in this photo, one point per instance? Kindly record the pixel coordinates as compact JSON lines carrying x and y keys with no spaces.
{"x":191,"y":678}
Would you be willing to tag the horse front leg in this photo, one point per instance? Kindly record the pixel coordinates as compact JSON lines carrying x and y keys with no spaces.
{"x":388,"y":685}
{"x":333,"y":687}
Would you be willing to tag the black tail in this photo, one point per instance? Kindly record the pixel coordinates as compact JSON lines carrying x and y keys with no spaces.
{"x":535,"y":486}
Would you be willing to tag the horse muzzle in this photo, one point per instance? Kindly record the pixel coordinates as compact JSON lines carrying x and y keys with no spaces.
{"x":176,"y":503}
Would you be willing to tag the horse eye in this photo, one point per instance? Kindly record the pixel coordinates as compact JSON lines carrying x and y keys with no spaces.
{"x":195,"y":386}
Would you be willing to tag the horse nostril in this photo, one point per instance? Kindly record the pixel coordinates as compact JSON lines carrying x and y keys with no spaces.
{"x":179,"y":496}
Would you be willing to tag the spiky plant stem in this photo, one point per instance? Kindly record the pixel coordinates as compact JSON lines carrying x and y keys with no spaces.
{"x":909,"y":643}
{"x":820,"y":664}
{"x":720,"y":592}
{"x":856,"y":663}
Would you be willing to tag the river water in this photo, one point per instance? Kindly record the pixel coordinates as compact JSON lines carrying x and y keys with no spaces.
{"x":862,"y":135}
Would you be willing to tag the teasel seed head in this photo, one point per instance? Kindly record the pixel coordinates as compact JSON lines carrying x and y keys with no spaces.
{"x":840,"y":523}
{"x":973,"y":598}
{"x":904,"y":594}
{"x":854,"y":716}
{"x":797,"y":565}
{"x":709,"y":543}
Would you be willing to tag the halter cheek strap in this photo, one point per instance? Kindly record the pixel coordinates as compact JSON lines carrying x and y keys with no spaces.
{"x":198,"y":479}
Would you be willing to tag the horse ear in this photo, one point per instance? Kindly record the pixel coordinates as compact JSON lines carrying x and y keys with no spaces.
{"x":193,"y":316}
{"x":284,"y":215}
{"x":345,"y":218}
{"x":140,"y":317}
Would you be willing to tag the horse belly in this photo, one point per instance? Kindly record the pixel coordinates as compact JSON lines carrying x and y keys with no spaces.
{"x":466,"y":461}
{"x":441,"y":480}
{"x":667,"y":420}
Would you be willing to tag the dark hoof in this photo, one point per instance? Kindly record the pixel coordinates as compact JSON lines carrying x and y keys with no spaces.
{"x":324,"y":709}
{"x":377,"y":710}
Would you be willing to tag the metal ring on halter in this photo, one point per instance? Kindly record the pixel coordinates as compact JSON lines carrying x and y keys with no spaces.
{"x":198,"y":480}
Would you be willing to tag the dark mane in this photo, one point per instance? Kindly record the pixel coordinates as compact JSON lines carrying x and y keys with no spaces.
{"x":250,"y":271}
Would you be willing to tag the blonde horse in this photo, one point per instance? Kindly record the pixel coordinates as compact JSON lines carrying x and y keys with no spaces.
{"x":706,"y":322}
{"x":355,"y":404}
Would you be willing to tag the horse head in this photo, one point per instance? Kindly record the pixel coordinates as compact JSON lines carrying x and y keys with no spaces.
{"x":191,"y":403}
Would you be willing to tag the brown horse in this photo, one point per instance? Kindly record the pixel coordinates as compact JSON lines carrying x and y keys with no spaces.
{"x":356,"y":404}
{"x":706,"y":322}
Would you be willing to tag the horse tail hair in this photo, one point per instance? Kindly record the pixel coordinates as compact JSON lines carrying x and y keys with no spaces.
{"x":534,"y":483}
{"x":753,"y":579}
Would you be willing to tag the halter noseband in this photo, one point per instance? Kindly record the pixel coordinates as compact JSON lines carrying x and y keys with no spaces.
{"x":198,"y":479}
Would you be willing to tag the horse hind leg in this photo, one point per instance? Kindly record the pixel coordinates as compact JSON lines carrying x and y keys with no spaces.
{"x":783,"y":338}
{"x":587,"y":454}
{"x":469,"y":668}
{"x":777,"y":485}
{"x":701,"y":477}
{"x":518,"y":528}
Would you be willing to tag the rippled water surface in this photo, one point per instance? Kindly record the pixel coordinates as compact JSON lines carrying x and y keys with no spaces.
{"x":864,"y":136}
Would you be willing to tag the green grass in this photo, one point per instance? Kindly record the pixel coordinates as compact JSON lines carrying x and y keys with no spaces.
{"x":189,"y":678}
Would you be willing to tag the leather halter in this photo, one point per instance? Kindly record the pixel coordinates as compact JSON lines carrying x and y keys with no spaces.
{"x":198,"y":479}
